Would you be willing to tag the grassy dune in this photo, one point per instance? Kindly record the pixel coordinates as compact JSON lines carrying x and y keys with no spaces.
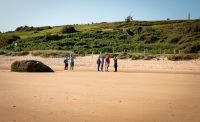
{"x":151,"y":37}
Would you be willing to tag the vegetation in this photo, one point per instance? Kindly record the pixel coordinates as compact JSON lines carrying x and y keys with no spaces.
{"x":183,"y":57}
{"x":67,"y":29}
{"x":51,"y":53}
{"x":133,"y":38}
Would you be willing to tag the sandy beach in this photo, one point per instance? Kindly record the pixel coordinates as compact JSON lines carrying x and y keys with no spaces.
{"x":142,"y":91}
{"x":88,"y":63}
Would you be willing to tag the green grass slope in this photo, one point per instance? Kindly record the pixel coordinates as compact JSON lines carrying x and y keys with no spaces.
{"x":154,"y":37}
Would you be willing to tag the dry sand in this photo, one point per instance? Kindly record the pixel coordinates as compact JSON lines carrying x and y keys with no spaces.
{"x":88,"y":63}
{"x":145,"y":91}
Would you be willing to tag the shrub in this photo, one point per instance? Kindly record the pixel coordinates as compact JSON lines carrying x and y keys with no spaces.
{"x":2,"y":53}
{"x":183,"y":57}
{"x":23,"y":53}
{"x":192,"y":49}
{"x":112,"y":55}
{"x":67,"y":29}
{"x":129,"y":32}
{"x":148,"y":30}
{"x":9,"y":39}
{"x":27,"y":28}
{"x":151,"y":39}
{"x":174,"y":39}
{"x":139,"y":29}
{"x":51,"y":53}
{"x":123,"y":56}
{"x":149,"y":57}
{"x":136,"y":56}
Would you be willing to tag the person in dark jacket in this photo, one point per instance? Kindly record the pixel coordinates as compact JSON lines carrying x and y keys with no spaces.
{"x":115,"y":63}
{"x":102,"y":63}
{"x":66,"y":63}
{"x":98,"y":63}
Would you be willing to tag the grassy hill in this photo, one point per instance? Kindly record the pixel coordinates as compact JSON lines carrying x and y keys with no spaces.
{"x":154,"y":37}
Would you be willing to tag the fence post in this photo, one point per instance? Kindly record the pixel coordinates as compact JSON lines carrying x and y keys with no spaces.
{"x":174,"y":51}
{"x":144,"y":52}
{"x":164,"y":51}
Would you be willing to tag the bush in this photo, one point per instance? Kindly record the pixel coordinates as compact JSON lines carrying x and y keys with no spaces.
{"x":9,"y":39}
{"x":183,"y":57}
{"x":20,"y":53}
{"x":151,"y":39}
{"x":123,"y":56}
{"x":7,"y":53}
{"x":2,"y":53}
{"x":112,"y":55}
{"x":51,"y":53}
{"x":67,"y":29}
{"x":136,"y":56}
{"x":129,"y":32}
{"x":27,"y":28}
{"x":174,"y":39}
{"x":149,"y":57}
{"x":192,"y":49}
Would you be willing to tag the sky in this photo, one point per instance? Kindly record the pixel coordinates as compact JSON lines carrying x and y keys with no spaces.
{"x":16,"y":13}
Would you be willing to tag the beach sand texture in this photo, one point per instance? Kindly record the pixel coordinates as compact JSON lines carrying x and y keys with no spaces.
{"x":90,"y":96}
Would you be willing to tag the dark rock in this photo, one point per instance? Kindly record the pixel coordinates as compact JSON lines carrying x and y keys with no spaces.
{"x":29,"y":66}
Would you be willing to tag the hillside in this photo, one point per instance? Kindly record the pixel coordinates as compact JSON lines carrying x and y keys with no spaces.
{"x":152,"y":36}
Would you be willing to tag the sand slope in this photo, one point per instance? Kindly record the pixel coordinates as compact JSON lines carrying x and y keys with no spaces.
{"x":99,"y":97}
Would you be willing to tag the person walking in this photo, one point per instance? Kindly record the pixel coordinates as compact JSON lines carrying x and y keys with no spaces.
{"x":102,"y":63}
{"x":66,"y":63}
{"x":115,"y":64}
{"x":107,"y":63}
{"x":72,"y":63}
{"x":98,"y":63}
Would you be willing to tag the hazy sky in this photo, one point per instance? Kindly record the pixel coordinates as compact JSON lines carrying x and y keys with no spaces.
{"x":15,"y":13}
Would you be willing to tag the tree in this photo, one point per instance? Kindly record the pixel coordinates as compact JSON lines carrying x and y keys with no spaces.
{"x":128,"y":19}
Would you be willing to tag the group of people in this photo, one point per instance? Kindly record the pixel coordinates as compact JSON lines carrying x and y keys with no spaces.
{"x":66,"y":61}
{"x":100,"y":63}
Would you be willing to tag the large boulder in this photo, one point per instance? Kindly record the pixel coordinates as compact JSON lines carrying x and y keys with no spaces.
{"x":29,"y":66}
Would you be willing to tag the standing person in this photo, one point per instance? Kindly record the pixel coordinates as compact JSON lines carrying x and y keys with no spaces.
{"x":115,"y":64}
{"x":107,"y":63}
{"x":98,"y":63}
{"x":72,"y":63}
{"x":66,"y":63}
{"x":102,"y":63}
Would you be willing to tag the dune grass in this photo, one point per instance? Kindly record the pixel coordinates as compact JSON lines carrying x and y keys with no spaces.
{"x":51,"y":53}
{"x":134,"y":36}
